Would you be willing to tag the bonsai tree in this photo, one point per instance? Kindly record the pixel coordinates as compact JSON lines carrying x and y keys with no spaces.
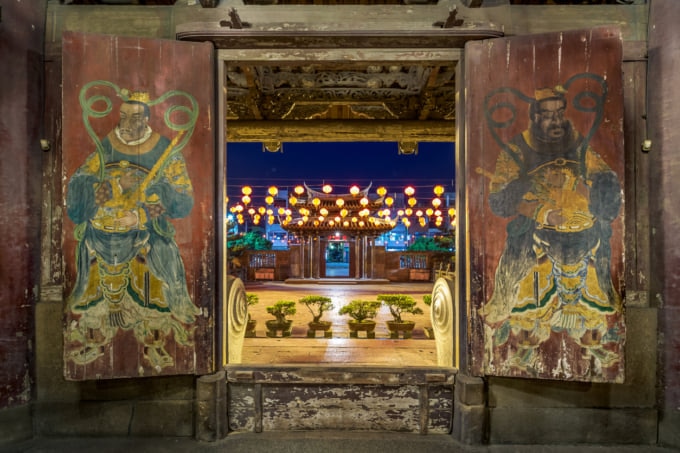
{"x":252,"y":299}
{"x":361,"y":310}
{"x":281,"y":309}
{"x":427,"y":300}
{"x":398,"y":304}
{"x":317,"y":305}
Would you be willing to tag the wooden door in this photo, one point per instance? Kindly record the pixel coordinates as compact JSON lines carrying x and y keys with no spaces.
{"x":139,"y":203}
{"x":544,"y":179}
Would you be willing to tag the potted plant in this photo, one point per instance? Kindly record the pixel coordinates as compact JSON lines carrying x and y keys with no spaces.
{"x":399,"y":304}
{"x":429,"y":331}
{"x":251,"y":299}
{"x":362,"y":313}
{"x":280,"y":310}
{"x":317,"y":305}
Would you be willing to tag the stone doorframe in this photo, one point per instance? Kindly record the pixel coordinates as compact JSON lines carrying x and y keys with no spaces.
{"x":468,"y":412}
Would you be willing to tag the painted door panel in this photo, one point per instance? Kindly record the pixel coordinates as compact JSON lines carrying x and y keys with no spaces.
{"x":139,"y":242}
{"x":544,"y":172}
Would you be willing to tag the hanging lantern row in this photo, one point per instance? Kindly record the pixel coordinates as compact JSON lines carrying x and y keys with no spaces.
{"x":285,"y":215}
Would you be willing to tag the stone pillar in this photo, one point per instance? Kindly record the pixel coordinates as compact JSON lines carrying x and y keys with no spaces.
{"x":211,"y":407}
{"x":469,"y":410}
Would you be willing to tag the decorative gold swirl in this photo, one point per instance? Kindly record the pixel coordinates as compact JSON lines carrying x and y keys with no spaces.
{"x":237,"y":318}
{"x":443,"y":318}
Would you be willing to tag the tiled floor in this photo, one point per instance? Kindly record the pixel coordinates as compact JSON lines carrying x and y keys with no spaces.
{"x":340,"y":349}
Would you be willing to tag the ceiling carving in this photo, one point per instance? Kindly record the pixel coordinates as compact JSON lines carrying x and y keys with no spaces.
{"x":341,"y":92}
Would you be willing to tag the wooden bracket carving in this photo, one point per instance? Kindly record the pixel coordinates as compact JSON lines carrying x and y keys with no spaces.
{"x":450,"y":21}
{"x":235,"y":22}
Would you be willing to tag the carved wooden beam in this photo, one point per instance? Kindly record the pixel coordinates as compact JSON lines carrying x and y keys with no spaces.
{"x":340,"y":131}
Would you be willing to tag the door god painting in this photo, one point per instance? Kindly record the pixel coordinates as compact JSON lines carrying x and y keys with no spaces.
{"x":130,"y":275}
{"x":550,"y":308}
{"x":138,"y":226}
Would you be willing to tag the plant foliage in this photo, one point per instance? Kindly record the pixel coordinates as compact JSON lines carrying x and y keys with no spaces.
{"x":361,"y":310}
{"x":317,"y":305}
{"x":400,"y":303}
{"x":281,"y":309}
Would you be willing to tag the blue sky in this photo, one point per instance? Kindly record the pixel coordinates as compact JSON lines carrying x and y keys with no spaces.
{"x":339,"y":164}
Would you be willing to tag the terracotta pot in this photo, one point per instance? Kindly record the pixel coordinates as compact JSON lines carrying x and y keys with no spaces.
{"x":405,"y":328}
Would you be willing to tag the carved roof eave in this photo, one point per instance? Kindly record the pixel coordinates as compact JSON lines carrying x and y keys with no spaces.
{"x":352,"y":229}
{"x":226,"y":38}
{"x":329,"y":196}
{"x":376,"y":227}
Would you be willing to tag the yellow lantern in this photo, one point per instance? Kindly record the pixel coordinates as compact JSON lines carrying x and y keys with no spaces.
{"x":354,"y":190}
{"x":363,"y":201}
{"x":429,"y":211}
{"x":261,"y":210}
{"x":327,"y":188}
{"x":281,"y":211}
{"x":389,"y":201}
{"x":381,"y":191}
{"x":273,"y":191}
{"x":422,"y":221}
{"x":251,"y":211}
{"x":452,"y":212}
{"x":269,"y":199}
{"x":436,"y":202}
{"x":245,"y":199}
{"x":408,"y":211}
{"x":246,"y":190}
{"x":299,"y":190}
{"x":344,"y":212}
{"x":412,"y":202}
{"x":419,"y":213}
{"x":340,"y":202}
{"x":323,"y":211}
{"x":438,"y":190}
{"x":409,"y":191}
{"x":316,"y":202}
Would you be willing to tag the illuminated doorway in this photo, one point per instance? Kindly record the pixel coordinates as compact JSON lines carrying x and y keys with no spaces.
{"x":337,"y":257}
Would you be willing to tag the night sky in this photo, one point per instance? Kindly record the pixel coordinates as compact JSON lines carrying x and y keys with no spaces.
{"x":341,"y":165}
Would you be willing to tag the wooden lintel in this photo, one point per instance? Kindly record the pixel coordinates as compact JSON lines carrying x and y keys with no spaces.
{"x":340,"y":131}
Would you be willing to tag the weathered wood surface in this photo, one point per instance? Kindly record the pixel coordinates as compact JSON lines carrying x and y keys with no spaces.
{"x":165,"y":325}
{"x":359,"y":398}
{"x":663,"y":116}
{"x":514,"y":332}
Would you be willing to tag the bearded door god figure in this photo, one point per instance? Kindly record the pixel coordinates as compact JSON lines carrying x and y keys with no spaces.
{"x":553,"y":277}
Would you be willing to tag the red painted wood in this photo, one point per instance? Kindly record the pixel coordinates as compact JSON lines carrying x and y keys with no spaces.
{"x":162,"y":69}
{"x":505,"y":339}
